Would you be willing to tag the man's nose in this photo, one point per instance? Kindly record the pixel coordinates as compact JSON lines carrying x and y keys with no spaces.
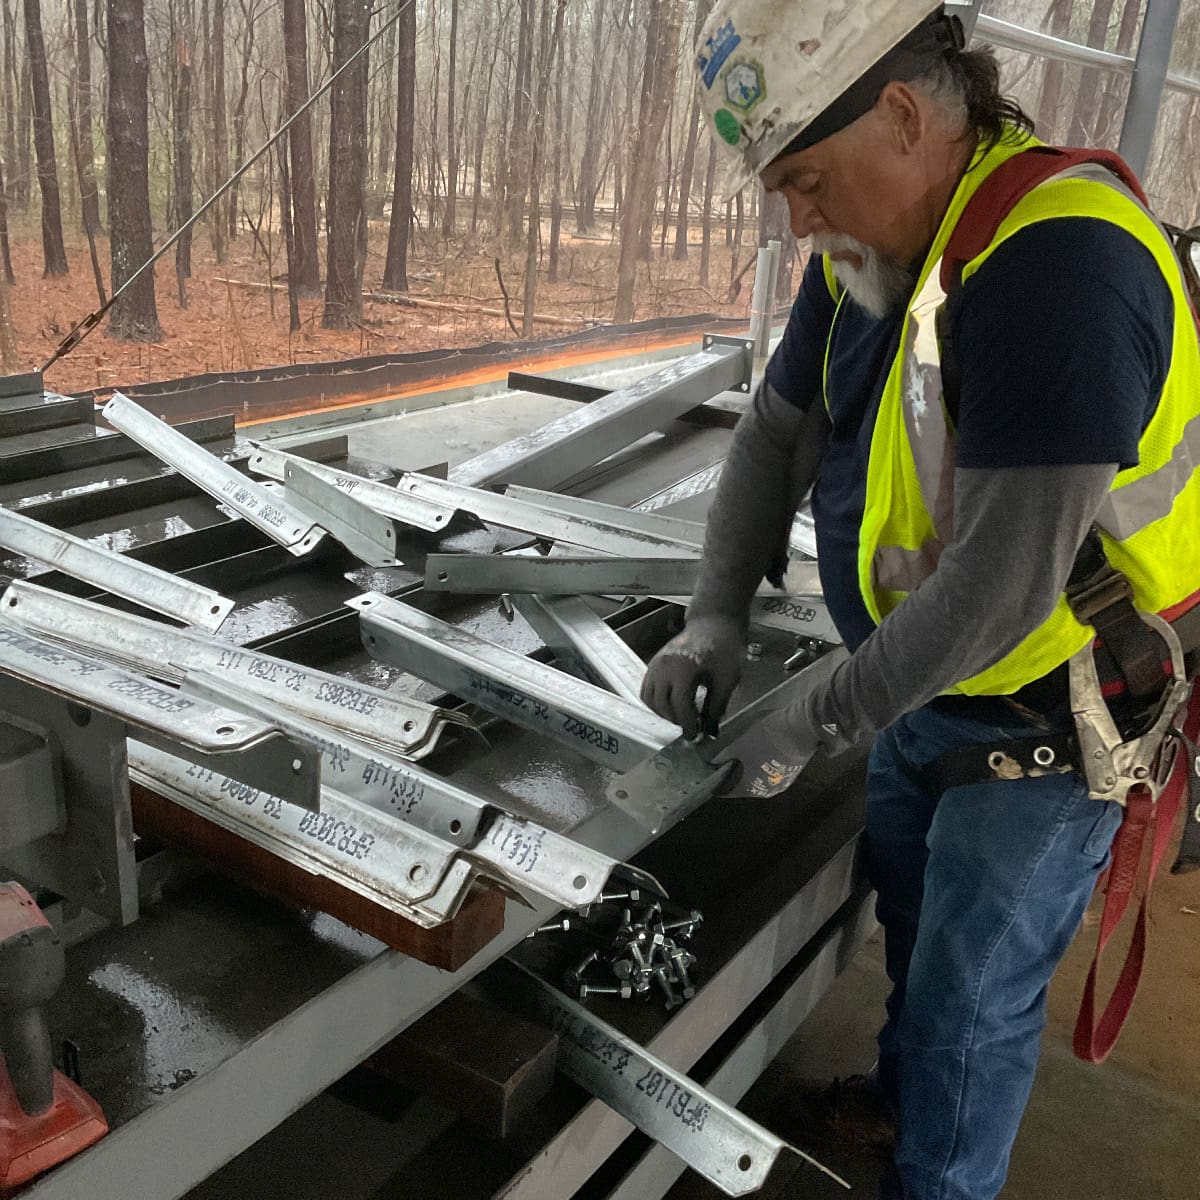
{"x":803,"y":215}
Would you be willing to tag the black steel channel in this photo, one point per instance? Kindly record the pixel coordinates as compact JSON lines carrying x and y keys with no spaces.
{"x":19,"y":415}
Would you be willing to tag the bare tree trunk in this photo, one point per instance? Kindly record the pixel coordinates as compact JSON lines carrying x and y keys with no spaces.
{"x":736,"y":242}
{"x":89,"y":194}
{"x":556,"y":195}
{"x":395,"y":271}
{"x":710,"y":177}
{"x":658,"y":78}
{"x":184,"y":182}
{"x":1085,"y":110}
{"x":585,"y":200}
{"x":289,"y":236}
{"x":134,"y":315}
{"x":10,"y":363}
{"x":347,"y":211}
{"x":24,"y":135}
{"x":303,"y":182}
{"x":54,"y":254}
{"x":484,"y":103}
{"x":4,"y":250}
{"x":220,"y":138}
{"x":239,"y":109}
{"x":545,"y":66}
{"x":518,"y":166}
{"x":10,"y":103}
{"x":450,"y":216}
{"x":1118,"y":87}
{"x":703,"y":8}
{"x":1052,"y":80}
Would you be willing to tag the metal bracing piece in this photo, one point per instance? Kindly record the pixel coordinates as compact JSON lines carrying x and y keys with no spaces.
{"x":273,"y":515}
{"x":360,"y":529}
{"x":1146,"y":86}
{"x":581,"y":639}
{"x":370,"y":852}
{"x":588,"y":532}
{"x":605,"y":728}
{"x":655,"y":525}
{"x":383,"y":498}
{"x":247,"y":748}
{"x":157,"y":590}
{"x":568,"y":575}
{"x":394,"y":723}
{"x":667,"y":786}
{"x":517,"y":852}
{"x":559,"y":449}
{"x":731,"y":1151}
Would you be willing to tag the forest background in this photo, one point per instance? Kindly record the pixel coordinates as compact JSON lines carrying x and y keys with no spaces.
{"x":491,"y":169}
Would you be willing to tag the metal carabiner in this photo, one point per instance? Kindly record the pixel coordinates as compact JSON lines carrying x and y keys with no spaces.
{"x":1112,"y":765}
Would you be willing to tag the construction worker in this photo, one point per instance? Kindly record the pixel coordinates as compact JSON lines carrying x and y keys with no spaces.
{"x":948,"y":528}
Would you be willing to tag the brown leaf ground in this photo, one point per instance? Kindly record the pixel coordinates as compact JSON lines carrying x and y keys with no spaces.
{"x":225,"y":328}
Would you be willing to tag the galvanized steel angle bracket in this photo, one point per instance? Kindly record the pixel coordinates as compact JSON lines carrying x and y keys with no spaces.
{"x":614,"y":732}
{"x":745,"y":344}
{"x":248,"y":748}
{"x":293,"y":530}
{"x":730,"y":1150}
{"x":363,"y":532}
{"x":367,"y":851}
{"x":521,"y":854}
{"x":117,"y":574}
{"x":397,"y":724}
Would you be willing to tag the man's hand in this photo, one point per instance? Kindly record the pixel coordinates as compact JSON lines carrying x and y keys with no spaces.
{"x":708,"y":654}
{"x":770,"y":754}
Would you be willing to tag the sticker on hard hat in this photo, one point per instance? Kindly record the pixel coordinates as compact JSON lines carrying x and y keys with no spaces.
{"x":716,"y":50}
{"x":744,"y":85}
{"x":727,"y":126}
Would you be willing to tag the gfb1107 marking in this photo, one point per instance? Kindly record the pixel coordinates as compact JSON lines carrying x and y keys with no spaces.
{"x":676,"y":1100}
{"x":337,"y":834}
{"x":404,"y":790}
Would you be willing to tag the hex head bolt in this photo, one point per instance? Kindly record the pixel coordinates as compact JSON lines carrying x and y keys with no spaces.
{"x":625,"y":991}
{"x":634,"y":894}
{"x":554,"y":927}
{"x":664,"y":985}
{"x":576,"y":973}
{"x":686,"y":924}
{"x":679,"y":959}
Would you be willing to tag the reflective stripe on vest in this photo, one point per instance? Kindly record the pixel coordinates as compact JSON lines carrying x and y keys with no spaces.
{"x":1151,"y":520}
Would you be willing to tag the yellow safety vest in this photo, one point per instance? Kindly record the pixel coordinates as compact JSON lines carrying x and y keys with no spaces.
{"x":1150,"y":523}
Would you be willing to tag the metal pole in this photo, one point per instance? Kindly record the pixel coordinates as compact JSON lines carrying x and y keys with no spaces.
{"x":1146,"y":86}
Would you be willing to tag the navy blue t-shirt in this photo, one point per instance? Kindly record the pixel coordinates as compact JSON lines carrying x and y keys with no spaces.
{"x":1063,"y":339}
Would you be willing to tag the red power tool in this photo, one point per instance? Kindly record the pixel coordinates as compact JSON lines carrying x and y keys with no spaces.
{"x":45,"y":1118}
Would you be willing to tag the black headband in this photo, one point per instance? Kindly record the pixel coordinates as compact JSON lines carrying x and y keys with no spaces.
{"x":937,"y":36}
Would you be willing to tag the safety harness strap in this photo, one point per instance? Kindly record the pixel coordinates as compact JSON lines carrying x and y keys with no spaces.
{"x":1144,"y":822}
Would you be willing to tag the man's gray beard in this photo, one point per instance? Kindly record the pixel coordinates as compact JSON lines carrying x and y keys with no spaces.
{"x":880,"y":285}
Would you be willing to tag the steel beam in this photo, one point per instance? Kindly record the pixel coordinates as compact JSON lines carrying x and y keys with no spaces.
{"x":273,"y":515}
{"x":672,"y":529}
{"x":561,"y":448}
{"x":382,"y":498}
{"x":726,"y":1147}
{"x":605,"y":728}
{"x":244,"y":747}
{"x":582,"y":640}
{"x":115,"y":573}
{"x":394,"y":723}
{"x":603,"y":535}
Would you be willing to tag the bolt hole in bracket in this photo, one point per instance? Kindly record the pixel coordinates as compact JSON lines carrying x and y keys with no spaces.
{"x":746,"y":345}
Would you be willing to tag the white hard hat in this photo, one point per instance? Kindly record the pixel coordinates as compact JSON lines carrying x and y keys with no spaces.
{"x":771,"y":73}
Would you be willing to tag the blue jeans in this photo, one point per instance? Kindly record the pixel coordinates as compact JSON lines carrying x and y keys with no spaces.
{"x":980,"y":890}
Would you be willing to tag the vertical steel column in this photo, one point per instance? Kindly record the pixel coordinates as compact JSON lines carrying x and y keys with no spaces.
{"x":1146,"y":86}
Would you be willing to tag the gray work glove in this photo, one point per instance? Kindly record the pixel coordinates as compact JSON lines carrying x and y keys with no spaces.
{"x":770,"y":754}
{"x":709,"y":654}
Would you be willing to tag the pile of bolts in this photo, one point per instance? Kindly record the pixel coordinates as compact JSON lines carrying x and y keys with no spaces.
{"x":635,"y":952}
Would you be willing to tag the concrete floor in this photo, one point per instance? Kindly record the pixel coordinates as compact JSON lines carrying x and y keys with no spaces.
{"x":1129,"y":1130}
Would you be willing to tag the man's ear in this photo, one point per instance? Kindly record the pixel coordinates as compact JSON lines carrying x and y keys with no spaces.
{"x":902,"y":112}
